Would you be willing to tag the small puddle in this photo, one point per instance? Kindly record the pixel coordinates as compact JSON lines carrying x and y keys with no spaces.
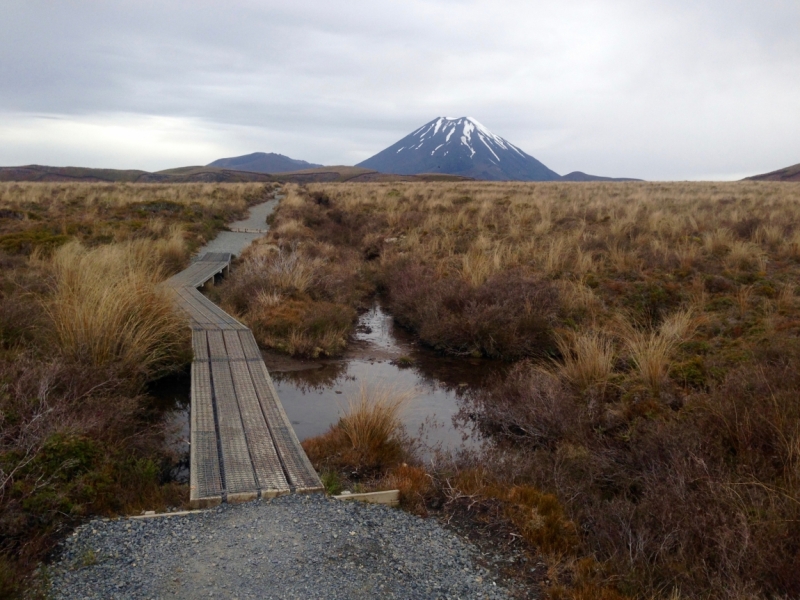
{"x":315,"y":393}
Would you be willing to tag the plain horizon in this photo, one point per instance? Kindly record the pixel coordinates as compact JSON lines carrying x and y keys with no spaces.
{"x":675,"y":90}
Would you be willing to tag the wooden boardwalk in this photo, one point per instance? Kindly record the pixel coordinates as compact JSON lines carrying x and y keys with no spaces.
{"x":242,"y":444}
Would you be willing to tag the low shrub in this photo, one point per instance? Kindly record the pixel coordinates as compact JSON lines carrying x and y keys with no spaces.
{"x":301,"y":327}
{"x":508,"y":316}
{"x":703,"y":500}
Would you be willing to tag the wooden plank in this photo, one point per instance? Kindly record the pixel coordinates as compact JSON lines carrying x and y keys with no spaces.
{"x":208,"y":310}
{"x":197,"y":274}
{"x":237,"y":471}
{"x":299,"y":471}
{"x":205,"y":479}
{"x":216,"y":346}
{"x":266,"y":462}
{"x":388,"y":497}
{"x":249,"y":345}
{"x":216,"y":257}
{"x":233,"y":345}
{"x":202,"y":310}
{"x":200,"y":345}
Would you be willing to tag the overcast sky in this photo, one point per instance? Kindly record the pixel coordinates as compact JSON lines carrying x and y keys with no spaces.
{"x":658,"y":89}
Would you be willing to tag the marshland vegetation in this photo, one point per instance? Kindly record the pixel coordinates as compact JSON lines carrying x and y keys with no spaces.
{"x":645,"y":437}
{"x":84,"y":327}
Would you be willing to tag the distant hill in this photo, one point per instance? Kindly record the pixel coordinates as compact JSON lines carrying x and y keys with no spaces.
{"x":788,"y":174}
{"x":182,"y":175}
{"x":209,"y":175}
{"x":461,"y":147}
{"x":262,"y":162}
{"x":581,"y":176}
{"x":357,"y":174}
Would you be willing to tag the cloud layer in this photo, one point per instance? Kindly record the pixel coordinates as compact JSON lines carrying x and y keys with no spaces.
{"x":661,"y":90}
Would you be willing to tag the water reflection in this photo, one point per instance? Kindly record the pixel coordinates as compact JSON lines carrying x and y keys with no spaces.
{"x":315,"y":394}
{"x":169,"y":397}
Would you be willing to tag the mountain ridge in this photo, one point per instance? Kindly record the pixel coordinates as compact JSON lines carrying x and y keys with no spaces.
{"x":459,"y":146}
{"x":581,"y":176}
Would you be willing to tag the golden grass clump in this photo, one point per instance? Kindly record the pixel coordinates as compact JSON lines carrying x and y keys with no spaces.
{"x":652,"y":351}
{"x":368,"y":439}
{"x":372,"y":419}
{"x":588,"y":359}
{"x":107,"y":308}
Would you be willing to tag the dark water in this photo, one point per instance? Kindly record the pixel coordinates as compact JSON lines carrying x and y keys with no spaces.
{"x":169,"y":397}
{"x":315,"y":394}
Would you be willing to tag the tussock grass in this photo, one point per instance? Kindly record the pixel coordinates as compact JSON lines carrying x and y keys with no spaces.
{"x":372,"y":419}
{"x":588,"y":359}
{"x":296,"y":299}
{"x":107,"y":308}
{"x":369,"y":438}
{"x":652,"y":351}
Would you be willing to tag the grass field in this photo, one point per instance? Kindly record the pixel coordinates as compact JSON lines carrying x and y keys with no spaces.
{"x":84,"y":326}
{"x":646,"y":439}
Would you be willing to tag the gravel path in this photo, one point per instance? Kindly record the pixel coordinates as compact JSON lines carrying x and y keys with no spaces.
{"x":294,"y":546}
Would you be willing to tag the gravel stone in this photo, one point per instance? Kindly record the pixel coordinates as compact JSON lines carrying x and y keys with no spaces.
{"x":295,"y":546}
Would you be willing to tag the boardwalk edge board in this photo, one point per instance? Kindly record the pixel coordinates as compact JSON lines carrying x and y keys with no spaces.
{"x":243,"y":446}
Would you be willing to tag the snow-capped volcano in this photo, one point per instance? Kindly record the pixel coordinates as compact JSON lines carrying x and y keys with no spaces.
{"x":459,"y":147}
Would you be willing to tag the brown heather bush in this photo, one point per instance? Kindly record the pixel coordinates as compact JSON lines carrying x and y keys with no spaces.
{"x":704,"y":499}
{"x":507,"y":316}
{"x":656,"y":404}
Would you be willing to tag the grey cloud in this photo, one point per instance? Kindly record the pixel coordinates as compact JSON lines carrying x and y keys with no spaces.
{"x":671,"y":89}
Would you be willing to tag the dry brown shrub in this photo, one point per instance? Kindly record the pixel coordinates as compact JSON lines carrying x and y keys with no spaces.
{"x":529,"y":406}
{"x":507,"y":317}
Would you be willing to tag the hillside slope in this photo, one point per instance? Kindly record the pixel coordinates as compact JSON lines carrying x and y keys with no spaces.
{"x":262,"y":162}
{"x":788,"y":174}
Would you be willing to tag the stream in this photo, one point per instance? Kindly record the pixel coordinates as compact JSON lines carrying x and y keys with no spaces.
{"x":315,"y":393}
